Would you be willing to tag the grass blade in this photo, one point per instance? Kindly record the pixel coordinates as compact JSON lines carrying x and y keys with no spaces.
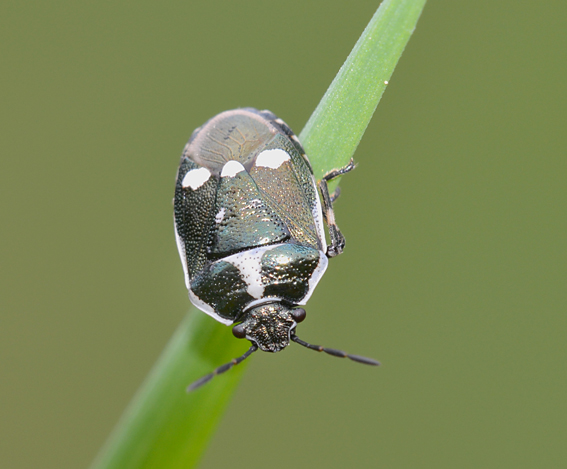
{"x":164,"y":427}
{"x":335,"y":128}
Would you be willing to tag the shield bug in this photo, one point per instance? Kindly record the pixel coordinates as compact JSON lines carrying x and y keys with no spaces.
{"x":249,"y":229}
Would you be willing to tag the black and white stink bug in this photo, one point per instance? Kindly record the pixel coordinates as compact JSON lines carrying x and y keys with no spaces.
{"x":249,"y":229}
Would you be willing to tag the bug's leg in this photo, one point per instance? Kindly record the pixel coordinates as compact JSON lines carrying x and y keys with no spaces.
{"x":336,"y":194}
{"x":337,"y":238}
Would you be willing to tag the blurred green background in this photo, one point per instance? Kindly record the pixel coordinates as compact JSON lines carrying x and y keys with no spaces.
{"x":454,"y":274}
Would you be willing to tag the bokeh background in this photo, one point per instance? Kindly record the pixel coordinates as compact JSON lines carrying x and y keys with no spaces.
{"x":454,"y":274}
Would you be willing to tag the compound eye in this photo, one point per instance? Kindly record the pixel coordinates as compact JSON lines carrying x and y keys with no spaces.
{"x":239,"y":332}
{"x":298,"y":314}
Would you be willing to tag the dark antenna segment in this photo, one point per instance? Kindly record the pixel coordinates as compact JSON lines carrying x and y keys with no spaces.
{"x":222,"y":369}
{"x":336,"y":353}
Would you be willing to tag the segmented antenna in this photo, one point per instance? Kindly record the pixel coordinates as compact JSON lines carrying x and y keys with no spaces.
{"x":336,"y":353}
{"x":221,"y":369}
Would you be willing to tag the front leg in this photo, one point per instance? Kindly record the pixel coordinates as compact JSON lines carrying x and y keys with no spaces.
{"x":337,"y":239}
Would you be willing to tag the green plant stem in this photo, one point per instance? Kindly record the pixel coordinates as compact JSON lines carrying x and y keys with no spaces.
{"x":163,"y":427}
{"x":335,"y":128}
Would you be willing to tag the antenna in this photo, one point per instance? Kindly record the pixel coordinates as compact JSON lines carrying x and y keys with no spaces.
{"x":336,"y":353}
{"x":221,"y":369}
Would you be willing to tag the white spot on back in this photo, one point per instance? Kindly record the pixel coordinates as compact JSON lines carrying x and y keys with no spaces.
{"x":219,"y":217}
{"x":231,"y":169}
{"x":249,"y":265}
{"x":196,"y":178}
{"x":272,"y":158}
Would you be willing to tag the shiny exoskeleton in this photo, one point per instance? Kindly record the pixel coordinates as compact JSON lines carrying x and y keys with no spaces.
{"x":249,"y":228}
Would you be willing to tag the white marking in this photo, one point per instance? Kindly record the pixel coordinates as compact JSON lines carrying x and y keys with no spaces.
{"x":331,"y":217}
{"x":196,"y":178}
{"x":279,"y":121}
{"x":249,"y":264}
{"x":262,"y":301}
{"x":316,"y":276}
{"x":220,"y":216}
{"x":272,"y":159}
{"x":318,"y":216}
{"x":250,"y":267}
{"x":181,"y":249}
{"x":192,"y":297}
{"x":231,"y":169}
{"x":255,"y":203}
{"x":306,"y":158}
{"x":385,"y":82}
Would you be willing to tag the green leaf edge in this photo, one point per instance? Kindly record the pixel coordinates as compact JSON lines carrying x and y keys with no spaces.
{"x":164,"y":427}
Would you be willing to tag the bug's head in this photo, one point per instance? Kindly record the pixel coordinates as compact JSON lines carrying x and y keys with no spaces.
{"x":269,"y":326}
